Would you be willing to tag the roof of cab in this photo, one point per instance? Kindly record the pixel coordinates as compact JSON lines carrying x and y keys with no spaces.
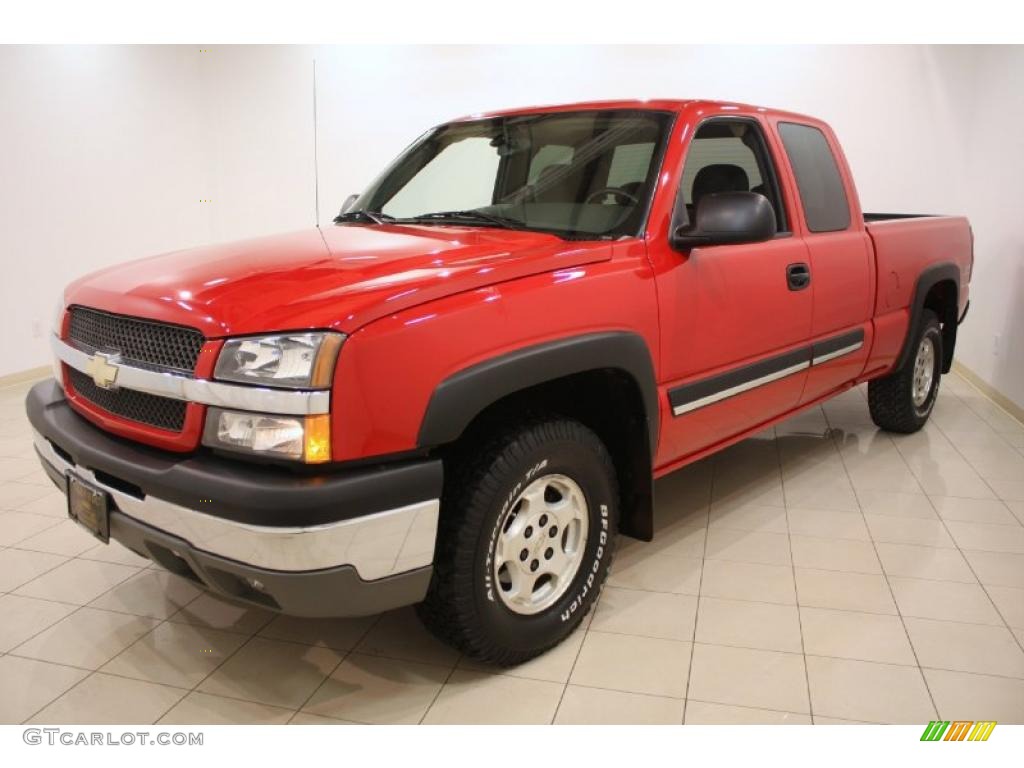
{"x":700,"y":106}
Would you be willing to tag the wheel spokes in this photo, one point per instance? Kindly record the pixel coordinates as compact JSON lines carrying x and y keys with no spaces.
{"x":540,"y":544}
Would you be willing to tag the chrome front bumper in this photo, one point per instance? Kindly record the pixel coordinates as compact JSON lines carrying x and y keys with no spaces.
{"x":377,"y":546}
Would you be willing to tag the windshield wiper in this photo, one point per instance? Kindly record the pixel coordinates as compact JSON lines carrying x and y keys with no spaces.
{"x":480,"y":217}
{"x":375,"y":217}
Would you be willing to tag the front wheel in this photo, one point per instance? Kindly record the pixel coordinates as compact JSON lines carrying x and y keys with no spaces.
{"x":524,"y":543}
{"x":903,"y":400}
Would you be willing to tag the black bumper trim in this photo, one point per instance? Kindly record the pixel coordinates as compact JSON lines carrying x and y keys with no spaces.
{"x":231,"y":489}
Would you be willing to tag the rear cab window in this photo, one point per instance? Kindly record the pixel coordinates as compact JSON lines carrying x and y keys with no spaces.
{"x":822,"y":193}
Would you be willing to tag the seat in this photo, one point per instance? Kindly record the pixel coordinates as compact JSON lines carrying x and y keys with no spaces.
{"x":719,"y":177}
{"x":557,"y":183}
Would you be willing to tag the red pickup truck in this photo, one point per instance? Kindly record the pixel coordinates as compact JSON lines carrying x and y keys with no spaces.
{"x":459,"y":394}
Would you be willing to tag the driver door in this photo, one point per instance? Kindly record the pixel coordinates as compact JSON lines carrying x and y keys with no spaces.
{"x":734,"y":317}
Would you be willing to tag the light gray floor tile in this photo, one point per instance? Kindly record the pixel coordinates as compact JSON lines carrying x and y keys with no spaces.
{"x":86,"y":638}
{"x":649,"y":614}
{"x":204,"y":708}
{"x":374,"y":689}
{"x":706,"y":713}
{"x":966,"y":647}
{"x":750,"y":625}
{"x":750,"y":678}
{"x":858,"y":529}
{"x":111,"y":700}
{"x":29,"y":685}
{"x":635,"y":664}
{"x":853,"y":635}
{"x":599,"y":706}
{"x":24,"y":617}
{"x":862,"y":690}
{"x":470,"y":698}
{"x":961,"y":696}
{"x":272,"y":672}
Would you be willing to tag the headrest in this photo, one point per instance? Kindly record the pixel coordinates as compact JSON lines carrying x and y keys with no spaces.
{"x":720,"y":177}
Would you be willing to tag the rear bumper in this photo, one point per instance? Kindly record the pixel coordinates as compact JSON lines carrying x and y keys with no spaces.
{"x":340,"y":544}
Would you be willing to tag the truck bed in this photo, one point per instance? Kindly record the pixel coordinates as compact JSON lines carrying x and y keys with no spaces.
{"x":905,"y":245}
{"x":872,"y":217}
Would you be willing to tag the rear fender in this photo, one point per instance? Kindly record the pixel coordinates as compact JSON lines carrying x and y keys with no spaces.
{"x":928,"y":279}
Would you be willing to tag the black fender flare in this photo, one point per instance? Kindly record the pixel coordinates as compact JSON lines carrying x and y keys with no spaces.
{"x":929,"y":277}
{"x":461,"y":397}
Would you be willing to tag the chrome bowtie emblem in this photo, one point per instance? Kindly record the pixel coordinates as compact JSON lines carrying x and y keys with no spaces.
{"x":102,"y":369}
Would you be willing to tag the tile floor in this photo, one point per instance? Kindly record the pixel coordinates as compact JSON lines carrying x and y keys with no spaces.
{"x":823,"y":572}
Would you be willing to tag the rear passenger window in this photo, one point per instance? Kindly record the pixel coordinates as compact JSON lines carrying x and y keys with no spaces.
{"x":817,"y":177}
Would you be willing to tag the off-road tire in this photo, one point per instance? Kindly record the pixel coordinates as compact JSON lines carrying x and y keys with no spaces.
{"x":461,"y":606}
{"x":891,"y":400}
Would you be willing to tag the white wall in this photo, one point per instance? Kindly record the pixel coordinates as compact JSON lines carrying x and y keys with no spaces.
{"x":101,"y":160}
{"x":257,"y":105}
{"x":992,"y":341}
{"x":917,"y":124}
{"x":374,"y":101}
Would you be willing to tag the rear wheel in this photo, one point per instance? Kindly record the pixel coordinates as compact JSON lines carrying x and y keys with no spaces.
{"x":524,"y":543}
{"x":903,"y":400}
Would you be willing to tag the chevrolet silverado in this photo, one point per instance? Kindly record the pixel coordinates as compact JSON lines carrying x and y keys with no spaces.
{"x":459,"y":394}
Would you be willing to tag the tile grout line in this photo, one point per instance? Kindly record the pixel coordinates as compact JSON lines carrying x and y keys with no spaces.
{"x":14,"y":544}
{"x":881,"y":565}
{"x":92,"y":672}
{"x":999,"y":613}
{"x":95,"y":671}
{"x":433,"y":701}
{"x":576,"y":658}
{"x":345,"y":655}
{"x":540,"y":679}
{"x":229,"y":656}
{"x":700,"y":583}
{"x":587,"y":630}
{"x":792,"y":571}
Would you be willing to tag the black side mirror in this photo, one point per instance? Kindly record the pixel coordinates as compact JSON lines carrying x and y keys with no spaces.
{"x":348,"y":202}
{"x":727,"y":218}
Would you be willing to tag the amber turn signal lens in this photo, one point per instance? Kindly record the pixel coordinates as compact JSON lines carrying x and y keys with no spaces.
{"x":318,"y":439}
{"x":326,"y":357}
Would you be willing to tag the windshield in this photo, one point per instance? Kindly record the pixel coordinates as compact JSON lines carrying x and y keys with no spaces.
{"x":575,"y":174}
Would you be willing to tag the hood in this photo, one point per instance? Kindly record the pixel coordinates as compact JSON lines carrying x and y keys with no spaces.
{"x":341,"y":277}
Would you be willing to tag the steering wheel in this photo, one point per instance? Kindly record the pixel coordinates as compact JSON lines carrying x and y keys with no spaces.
{"x":615,"y":191}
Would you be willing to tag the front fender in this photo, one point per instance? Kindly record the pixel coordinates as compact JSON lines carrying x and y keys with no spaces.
{"x":461,"y":397}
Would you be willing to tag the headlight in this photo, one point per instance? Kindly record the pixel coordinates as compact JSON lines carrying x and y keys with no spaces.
{"x":289,"y":360}
{"x":299,"y":438}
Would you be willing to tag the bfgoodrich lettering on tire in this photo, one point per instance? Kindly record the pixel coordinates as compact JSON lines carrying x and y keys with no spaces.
{"x":527,"y":530}
{"x":903,"y":400}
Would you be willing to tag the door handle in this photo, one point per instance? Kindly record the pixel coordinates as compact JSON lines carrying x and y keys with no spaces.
{"x":798,"y":276}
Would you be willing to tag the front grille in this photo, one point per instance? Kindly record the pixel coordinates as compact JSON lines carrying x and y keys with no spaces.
{"x":140,"y":342}
{"x":162,"y":412}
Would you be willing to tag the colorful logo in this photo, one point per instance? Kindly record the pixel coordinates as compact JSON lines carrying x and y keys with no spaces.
{"x":958,"y":730}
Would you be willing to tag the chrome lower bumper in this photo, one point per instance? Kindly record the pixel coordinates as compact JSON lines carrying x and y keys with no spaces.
{"x":377,"y":545}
